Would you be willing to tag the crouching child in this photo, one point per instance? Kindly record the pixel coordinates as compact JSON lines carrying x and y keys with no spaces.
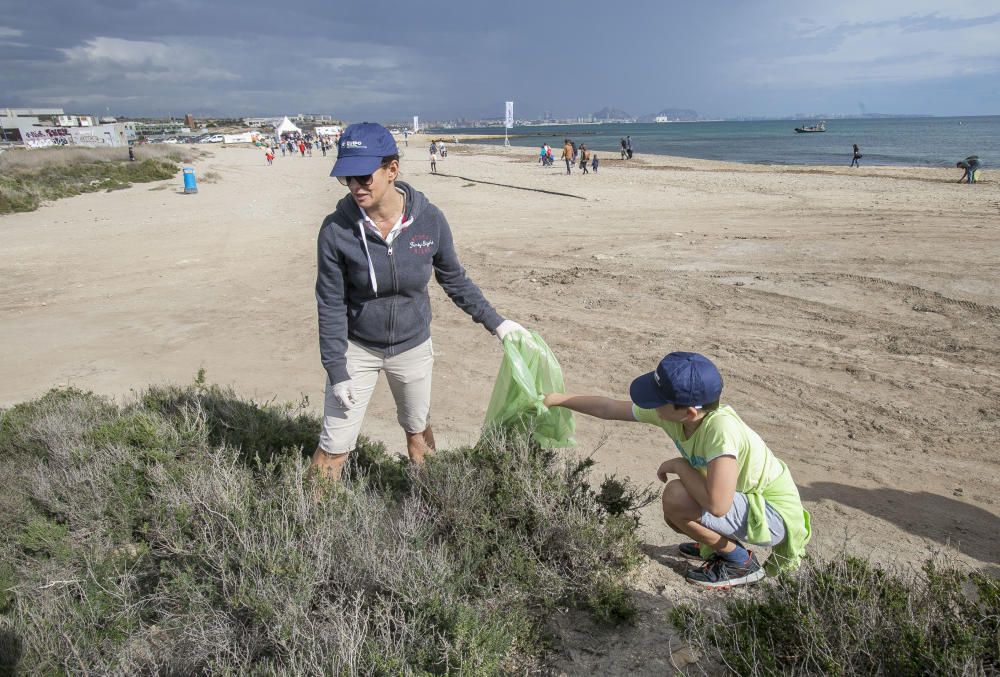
{"x":728,"y":491}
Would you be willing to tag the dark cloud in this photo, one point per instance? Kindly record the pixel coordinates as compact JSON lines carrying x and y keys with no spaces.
{"x":435,"y":59}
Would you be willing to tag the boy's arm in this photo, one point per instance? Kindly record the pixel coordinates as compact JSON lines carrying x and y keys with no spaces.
{"x":714,"y":492}
{"x":593,"y":405}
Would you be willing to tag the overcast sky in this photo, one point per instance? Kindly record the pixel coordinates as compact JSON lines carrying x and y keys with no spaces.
{"x":387,"y":60}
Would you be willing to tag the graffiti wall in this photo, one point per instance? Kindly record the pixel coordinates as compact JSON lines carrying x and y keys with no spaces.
{"x":43,"y":137}
{"x":100,"y":135}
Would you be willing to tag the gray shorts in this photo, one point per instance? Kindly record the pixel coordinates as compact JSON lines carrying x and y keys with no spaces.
{"x":734,"y":523}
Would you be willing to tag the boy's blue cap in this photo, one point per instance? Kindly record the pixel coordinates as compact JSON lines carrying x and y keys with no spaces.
{"x":361,"y":149}
{"x":684,"y":379}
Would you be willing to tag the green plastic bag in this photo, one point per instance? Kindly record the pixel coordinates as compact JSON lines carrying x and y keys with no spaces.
{"x":528,"y":371}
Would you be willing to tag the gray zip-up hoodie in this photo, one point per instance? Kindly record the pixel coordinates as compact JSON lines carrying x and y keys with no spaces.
{"x":392,"y":310}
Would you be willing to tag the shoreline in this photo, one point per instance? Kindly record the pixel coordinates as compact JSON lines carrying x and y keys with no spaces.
{"x":663,"y":162}
{"x":937,"y":142}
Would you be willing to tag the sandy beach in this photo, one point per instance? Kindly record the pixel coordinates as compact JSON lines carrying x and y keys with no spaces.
{"x":854,"y":315}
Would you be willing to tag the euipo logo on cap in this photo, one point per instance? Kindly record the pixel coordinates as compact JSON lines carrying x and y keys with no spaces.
{"x":353,"y":144}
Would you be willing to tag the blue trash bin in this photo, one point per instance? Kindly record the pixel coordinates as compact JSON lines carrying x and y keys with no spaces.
{"x":190,"y":185}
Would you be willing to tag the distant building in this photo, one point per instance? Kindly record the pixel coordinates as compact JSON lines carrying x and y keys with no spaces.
{"x":74,"y":121}
{"x":153,"y":128}
{"x":12,"y":119}
{"x":662,"y":118}
{"x":259,"y":122}
{"x":313,"y":117}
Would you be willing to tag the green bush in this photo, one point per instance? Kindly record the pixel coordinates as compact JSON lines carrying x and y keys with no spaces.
{"x":849,"y":617}
{"x":23,"y":190}
{"x":182,"y":534}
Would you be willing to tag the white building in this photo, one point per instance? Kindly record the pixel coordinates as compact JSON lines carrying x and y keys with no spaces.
{"x":74,"y":121}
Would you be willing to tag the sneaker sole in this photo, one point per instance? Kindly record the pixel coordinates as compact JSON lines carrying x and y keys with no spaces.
{"x":730,"y":583}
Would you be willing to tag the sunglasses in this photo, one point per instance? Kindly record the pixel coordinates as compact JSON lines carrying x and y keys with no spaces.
{"x":363,"y":181}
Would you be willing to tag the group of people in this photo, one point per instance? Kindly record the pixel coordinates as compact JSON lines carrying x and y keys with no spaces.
{"x":626,"y":146}
{"x":436,"y":149}
{"x":376,"y":254}
{"x":295,"y":142}
{"x":571,"y":154}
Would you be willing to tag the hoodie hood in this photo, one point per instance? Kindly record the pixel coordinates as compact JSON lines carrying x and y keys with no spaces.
{"x":416,"y":203}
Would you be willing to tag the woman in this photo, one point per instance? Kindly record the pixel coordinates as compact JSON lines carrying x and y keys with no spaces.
{"x":376,"y":253}
{"x":856,"y":160}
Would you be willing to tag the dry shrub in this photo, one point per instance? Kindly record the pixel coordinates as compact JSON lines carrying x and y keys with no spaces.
{"x":181,"y":534}
{"x":848,"y":616}
{"x":18,"y":160}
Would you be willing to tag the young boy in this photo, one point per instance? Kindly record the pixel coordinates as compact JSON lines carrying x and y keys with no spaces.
{"x":729,"y":485}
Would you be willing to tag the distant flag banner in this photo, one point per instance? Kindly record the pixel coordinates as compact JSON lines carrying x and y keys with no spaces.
{"x":416,"y":124}
{"x":509,"y":117}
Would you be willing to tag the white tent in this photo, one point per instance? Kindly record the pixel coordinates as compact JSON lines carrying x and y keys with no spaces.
{"x":286,"y":126}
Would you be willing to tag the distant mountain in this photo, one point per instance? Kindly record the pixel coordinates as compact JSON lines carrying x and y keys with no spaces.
{"x":672,"y":114}
{"x":612,"y":114}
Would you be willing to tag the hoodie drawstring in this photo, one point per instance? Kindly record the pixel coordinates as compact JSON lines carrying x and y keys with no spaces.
{"x":368,"y":255}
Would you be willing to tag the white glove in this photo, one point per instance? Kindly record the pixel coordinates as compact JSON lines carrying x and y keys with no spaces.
{"x":508,"y":327}
{"x":343,"y":392}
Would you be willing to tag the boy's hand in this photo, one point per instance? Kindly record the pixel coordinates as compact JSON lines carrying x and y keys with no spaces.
{"x":667,"y":467}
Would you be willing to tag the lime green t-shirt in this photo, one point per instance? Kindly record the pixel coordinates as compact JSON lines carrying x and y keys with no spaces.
{"x":762,"y":476}
{"x":721,"y":433}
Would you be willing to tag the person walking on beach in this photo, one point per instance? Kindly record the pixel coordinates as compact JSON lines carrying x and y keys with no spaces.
{"x":434,"y":157}
{"x":376,"y":254}
{"x":567,"y":155}
{"x":575,"y":152}
{"x":595,"y":163}
{"x":628,"y":147}
{"x":730,"y":489}
{"x":624,"y":151}
{"x":269,"y":154}
{"x":302,"y":148}
{"x":584,"y":158}
{"x":857,"y":156}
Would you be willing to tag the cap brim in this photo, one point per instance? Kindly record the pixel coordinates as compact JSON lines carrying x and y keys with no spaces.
{"x":356,"y":166}
{"x":645,"y":394}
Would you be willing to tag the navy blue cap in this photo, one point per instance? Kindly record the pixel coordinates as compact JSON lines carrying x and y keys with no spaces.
{"x":361,"y":149}
{"x":684,"y":379}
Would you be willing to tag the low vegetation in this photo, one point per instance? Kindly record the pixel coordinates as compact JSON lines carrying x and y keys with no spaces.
{"x":30,"y":177}
{"x":181,"y":533}
{"x":851,"y":617}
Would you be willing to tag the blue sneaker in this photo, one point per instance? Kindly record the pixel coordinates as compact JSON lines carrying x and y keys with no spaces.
{"x":721,"y":574}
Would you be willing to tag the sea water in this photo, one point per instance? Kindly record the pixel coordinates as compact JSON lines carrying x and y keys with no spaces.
{"x":911,"y":141}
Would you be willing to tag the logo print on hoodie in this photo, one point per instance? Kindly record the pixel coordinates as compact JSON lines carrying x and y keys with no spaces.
{"x":421,"y":243}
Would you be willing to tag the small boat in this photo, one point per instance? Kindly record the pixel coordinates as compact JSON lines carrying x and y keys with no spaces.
{"x":806,"y":129}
